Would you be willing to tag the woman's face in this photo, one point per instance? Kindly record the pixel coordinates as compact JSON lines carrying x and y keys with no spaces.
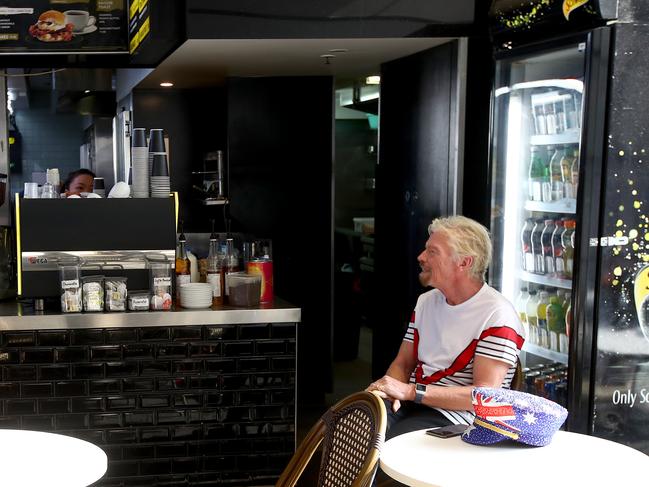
{"x":81,"y":184}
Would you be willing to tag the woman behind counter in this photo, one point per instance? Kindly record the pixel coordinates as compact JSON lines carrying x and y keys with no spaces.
{"x":80,"y":181}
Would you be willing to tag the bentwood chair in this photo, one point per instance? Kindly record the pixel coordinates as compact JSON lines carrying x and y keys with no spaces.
{"x":351,"y":434}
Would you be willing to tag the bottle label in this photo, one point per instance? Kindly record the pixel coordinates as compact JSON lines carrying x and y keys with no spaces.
{"x":162,"y":281}
{"x":215,"y":281}
{"x":549,"y":264}
{"x":70,"y":284}
{"x":554,"y":341}
{"x":227,"y":288}
{"x":529,"y":262}
{"x":183,"y":279}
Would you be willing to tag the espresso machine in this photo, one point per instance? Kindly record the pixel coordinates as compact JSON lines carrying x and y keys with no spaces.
{"x":112,"y":237}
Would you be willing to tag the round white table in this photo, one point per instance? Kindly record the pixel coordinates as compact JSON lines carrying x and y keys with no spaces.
{"x":37,"y":459}
{"x":421,"y":460}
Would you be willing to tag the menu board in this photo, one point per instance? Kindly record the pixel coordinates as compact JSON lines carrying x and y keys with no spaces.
{"x":65,"y":26}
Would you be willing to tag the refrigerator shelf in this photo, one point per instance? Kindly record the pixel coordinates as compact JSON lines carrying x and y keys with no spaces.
{"x":556,"y":139}
{"x":546,"y":281}
{"x":566,"y":205}
{"x":545,"y":353}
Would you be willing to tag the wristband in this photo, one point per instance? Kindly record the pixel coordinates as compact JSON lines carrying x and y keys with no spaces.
{"x":420,"y":392}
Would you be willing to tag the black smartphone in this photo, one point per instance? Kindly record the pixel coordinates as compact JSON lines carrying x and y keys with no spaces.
{"x":448,"y":431}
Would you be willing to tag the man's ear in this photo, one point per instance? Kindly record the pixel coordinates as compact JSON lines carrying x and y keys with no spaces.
{"x":466,"y":262}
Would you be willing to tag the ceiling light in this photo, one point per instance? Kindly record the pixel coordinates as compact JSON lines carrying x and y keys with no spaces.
{"x":166,"y":84}
{"x":373,"y":80}
{"x":87,"y":91}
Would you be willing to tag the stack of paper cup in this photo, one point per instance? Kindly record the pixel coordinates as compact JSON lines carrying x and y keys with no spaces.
{"x":160,"y":187}
{"x":156,"y":146}
{"x":140,"y":164}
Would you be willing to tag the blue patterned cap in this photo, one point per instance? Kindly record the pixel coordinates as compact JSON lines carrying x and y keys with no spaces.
{"x":503,"y":414}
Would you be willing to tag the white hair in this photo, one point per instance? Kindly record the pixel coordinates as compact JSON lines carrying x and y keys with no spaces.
{"x":466,"y":238}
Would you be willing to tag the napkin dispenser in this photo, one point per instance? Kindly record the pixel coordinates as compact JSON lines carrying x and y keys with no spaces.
{"x":113,"y":237}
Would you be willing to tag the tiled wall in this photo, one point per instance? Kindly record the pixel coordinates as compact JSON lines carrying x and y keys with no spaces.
{"x":186,"y":405}
{"x":48,"y":141}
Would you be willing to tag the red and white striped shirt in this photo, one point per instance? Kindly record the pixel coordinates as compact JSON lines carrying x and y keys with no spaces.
{"x":446,"y":338}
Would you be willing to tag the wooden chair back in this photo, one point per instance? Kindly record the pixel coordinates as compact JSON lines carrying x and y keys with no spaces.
{"x":351,"y":434}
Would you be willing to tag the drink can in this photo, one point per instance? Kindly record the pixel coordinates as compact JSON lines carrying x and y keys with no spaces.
{"x":264,"y":268}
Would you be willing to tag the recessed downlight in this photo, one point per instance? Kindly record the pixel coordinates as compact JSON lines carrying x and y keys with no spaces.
{"x":373,"y":80}
{"x":166,"y":84}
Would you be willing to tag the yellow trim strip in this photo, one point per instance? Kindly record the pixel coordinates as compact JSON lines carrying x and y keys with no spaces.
{"x":489,"y":426}
{"x":18,"y":248}
{"x":176,"y":204}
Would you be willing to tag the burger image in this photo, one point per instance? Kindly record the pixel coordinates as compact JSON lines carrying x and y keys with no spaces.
{"x":51,"y":27}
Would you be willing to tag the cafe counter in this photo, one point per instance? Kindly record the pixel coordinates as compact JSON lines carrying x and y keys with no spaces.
{"x":188,"y":397}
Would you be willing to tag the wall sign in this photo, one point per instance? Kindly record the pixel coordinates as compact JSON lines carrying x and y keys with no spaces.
{"x":63,"y":26}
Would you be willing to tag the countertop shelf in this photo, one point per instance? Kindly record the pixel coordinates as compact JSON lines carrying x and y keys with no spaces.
{"x":16,"y":316}
{"x":545,"y":353}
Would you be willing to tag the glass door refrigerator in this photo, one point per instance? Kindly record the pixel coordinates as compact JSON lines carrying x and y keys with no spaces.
{"x":570,"y":223}
{"x":536,"y":162}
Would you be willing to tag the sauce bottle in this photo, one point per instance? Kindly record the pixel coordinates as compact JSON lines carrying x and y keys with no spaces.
{"x":183,"y":265}
{"x":215,"y":270}
{"x":230,"y":264}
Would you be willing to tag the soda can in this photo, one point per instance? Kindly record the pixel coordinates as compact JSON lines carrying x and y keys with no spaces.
{"x":264,"y":268}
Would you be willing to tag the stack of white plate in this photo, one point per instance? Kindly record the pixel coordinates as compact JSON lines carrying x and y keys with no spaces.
{"x":140,"y":172}
{"x":196,"y":295}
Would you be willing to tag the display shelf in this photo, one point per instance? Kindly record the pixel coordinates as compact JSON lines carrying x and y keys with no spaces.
{"x":556,"y":139}
{"x":545,"y":353}
{"x":566,"y":205}
{"x":545,"y":280}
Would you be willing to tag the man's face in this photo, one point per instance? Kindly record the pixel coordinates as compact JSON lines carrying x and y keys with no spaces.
{"x":438,"y":267}
{"x":81,"y":184}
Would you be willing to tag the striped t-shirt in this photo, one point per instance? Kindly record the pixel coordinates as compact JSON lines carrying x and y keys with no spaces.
{"x":446,"y":338}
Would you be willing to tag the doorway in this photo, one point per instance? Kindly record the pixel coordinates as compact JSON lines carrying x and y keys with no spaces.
{"x":356,"y":149}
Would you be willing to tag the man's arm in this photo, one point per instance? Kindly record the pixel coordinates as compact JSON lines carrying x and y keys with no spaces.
{"x":404,"y":363}
{"x":487,"y":372}
{"x":394,"y":384}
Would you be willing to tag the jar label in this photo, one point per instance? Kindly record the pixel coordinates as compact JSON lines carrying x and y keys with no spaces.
{"x":70,"y":284}
{"x":162,"y":281}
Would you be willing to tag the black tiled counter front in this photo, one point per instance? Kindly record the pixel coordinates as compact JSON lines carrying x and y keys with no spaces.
{"x":171,"y":405}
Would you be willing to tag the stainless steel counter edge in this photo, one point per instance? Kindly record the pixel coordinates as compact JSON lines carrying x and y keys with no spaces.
{"x":29,"y":321}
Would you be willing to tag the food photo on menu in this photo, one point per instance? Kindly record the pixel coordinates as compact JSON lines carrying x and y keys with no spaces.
{"x":66,"y":25}
{"x":52,"y":26}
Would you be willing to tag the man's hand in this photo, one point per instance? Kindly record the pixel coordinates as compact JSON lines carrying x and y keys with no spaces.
{"x":393,"y":390}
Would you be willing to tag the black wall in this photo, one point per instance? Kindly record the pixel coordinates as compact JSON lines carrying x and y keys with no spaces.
{"x":476,"y":188}
{"x":195,"y":121}
{"x":417,"y":93}
{"x":280,"y":133}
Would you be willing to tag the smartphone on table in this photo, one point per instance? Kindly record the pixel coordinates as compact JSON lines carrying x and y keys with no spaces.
{"x":448,"y":431}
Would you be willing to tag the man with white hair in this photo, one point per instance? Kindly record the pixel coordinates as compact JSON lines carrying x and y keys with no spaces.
{"x":462,"y":334}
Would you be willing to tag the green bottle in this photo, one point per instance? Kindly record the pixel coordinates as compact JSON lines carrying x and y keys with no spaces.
{"x":556,"y":321}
